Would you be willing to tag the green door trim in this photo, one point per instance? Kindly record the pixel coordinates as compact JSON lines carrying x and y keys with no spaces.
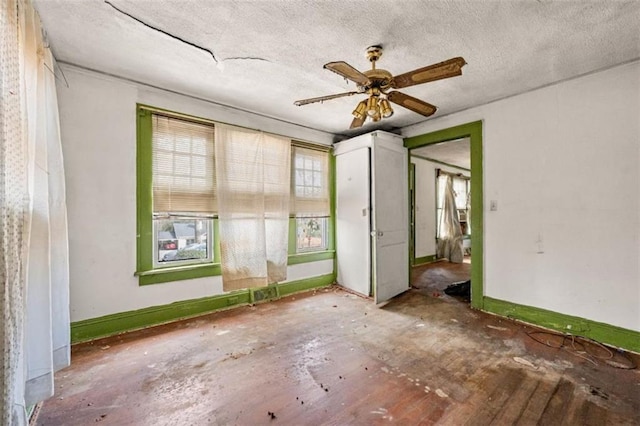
{"x":473,"y":131}
{"x":412,"y":215}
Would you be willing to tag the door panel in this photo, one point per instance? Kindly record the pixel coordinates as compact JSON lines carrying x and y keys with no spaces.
{"x":353,"y":240}
{"x":390,"y":222}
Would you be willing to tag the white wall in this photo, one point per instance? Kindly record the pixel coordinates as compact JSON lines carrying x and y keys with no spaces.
{"x":425,"y":204}
{"x":563,"y":164}
{"x":98,"y":126}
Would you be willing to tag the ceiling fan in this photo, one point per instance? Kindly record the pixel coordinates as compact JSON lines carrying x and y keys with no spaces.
{"x":377,"y":82}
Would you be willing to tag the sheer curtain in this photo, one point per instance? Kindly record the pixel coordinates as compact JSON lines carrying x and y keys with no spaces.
{"x":253,"y":180}
{"x":14,"y":206}
{"x":33,"y":224}
{"x":450,"y":239}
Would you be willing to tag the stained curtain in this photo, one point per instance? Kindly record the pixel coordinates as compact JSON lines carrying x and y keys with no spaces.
{"x":450,"y":234}
{"x":34,"y":265}
{"x":253,"y":181}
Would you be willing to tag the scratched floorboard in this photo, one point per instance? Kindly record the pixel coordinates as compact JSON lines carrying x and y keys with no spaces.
{"x":331,"y":358}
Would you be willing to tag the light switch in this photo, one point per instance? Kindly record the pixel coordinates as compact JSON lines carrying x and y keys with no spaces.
{"x":493,"y":205}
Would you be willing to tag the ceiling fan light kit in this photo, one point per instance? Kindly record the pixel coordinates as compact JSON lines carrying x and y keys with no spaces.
{"x":385,"y":108}
{"x":376,"y":83}
{"x":361,"y":110}
{"x":372,"y":106}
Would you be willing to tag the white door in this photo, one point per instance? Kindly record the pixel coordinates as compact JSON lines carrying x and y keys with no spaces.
{"x":390,"y":229}
{"x":353,"y":240}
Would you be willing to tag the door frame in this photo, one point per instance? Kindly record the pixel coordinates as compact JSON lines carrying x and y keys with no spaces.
{"x":473,"y":131}
{"x":412,"y":214}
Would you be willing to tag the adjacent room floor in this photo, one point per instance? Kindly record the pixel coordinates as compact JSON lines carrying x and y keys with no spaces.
{"x":330,"y":357}
{"x":435,"y":277}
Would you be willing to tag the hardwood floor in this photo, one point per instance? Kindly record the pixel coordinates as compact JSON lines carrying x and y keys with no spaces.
{"x":330,"y":357}
{"x":436,"y":276}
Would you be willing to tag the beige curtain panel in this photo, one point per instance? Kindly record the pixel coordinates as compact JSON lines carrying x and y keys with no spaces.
{"x":253,"y":184}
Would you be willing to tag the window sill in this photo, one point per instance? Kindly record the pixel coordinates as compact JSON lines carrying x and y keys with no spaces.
{"x":188,"y":272}
{"x":311,"y":256}
{"x":178,"y":273}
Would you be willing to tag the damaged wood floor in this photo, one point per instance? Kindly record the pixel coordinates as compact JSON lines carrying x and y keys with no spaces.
{"x":437,"y":276}
{"x":330,"y":357}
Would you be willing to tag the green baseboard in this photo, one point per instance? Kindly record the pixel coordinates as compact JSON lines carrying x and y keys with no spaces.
{"x":109,"y":325}
{"x":424,"y":260}
{"x":305,"y":285}
{"x":601,"y":332}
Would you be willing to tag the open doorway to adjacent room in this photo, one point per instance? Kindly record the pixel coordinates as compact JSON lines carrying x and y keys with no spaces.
{"x":441,"y":209}
{"x":446,"y":247}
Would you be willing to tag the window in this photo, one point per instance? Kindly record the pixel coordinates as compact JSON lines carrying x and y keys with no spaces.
{"x":311,"y":233}
{"x":182,"y":241}
{"x":184,"y":191}
{"x":310,"y":198}
{"x":178,"y":234}
{"x":176,"y":198}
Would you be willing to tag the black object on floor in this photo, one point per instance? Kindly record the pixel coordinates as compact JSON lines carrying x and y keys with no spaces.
{"x":460,"y":289}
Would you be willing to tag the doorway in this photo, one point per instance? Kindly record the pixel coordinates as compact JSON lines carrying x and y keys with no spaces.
{"x":453,"y":152}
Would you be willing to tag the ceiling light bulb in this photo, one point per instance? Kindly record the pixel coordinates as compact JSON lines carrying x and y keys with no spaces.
{"x":360,"y":110}
{"x":372,"y":106}
{"x":376,"y":117}
{"x":386,"y":108}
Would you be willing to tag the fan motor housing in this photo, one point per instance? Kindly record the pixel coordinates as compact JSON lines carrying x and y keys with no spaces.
{"x":380,"y":79}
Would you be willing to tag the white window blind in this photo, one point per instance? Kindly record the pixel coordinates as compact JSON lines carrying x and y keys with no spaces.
{"x":310,"y":183}
{"x":183,"y":166}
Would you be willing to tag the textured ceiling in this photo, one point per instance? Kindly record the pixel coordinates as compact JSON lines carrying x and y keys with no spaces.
{"x":457,"y":153}
{"x":270,"y":53}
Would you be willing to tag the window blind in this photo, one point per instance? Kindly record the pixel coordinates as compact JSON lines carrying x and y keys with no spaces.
{"x":310,"y":182}
{"x":183,"y":166}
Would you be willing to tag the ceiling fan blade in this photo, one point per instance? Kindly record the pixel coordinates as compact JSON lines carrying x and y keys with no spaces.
{"x":323,"y":98}
{"x":446,"y":69}
{"x":414,"y":104}
{"x":357,"y":122}
{"x":348,"y":72}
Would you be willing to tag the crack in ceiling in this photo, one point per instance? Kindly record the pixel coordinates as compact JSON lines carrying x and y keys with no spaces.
{"x":163,"y":31}
{"x":270,"y":53}
{"x":218,"y":62}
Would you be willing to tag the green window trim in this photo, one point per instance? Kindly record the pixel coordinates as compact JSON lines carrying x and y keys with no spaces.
{"x":146,"y":272}
{"x":295,"y":255}
{"x":179,"y":273}
{"x":144,"y":198}
{"x":313,"y":256}
{"x":188,"y":272}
